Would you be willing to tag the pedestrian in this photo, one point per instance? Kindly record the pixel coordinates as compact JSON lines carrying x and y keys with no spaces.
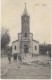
{"x":19,"y":59}
{"x":32,"y":55}
{"x":15,"y":57}
{"x":9,"y":56}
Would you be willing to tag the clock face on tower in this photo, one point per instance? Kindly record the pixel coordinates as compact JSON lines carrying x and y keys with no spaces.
{"x":25,"y":19}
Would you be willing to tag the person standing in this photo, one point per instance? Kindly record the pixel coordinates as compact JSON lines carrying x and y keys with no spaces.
{"x":19,"y":59}
{"x":9,"y":57}
{"x":15,"y":57}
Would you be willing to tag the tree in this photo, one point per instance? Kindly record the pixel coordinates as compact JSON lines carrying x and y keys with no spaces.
{"x":5,"y":38}
{"x":45,"y":48}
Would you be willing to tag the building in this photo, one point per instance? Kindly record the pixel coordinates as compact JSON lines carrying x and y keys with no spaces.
{"x":25,"y":45}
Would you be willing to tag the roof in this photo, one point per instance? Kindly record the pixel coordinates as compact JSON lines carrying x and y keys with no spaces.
{"x":15,"y":41}
{"x":35,"y":41}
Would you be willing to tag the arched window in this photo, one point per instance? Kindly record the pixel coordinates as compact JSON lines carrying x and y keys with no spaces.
{"x":25,"y":34}
{"x":25,"y":49}
{"x":35,"y":47}
{"x":15,"y":47}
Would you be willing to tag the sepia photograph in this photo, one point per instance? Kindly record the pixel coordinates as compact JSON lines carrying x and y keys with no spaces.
{"x":25,"y":39}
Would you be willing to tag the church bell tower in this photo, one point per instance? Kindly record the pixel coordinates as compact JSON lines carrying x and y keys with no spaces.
{"x":25,"y":29}
{"x":25,"y":32}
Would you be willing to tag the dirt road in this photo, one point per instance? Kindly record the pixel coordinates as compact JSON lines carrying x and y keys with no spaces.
{"x":30,"y":71}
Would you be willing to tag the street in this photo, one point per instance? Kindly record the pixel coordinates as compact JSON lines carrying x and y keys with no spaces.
{"x":30,"y":71}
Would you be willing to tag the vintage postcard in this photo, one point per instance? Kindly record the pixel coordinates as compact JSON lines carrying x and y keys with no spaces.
{"x":26,"y":39}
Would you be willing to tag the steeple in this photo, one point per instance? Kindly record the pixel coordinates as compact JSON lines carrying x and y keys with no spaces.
{"x":25,"y":11}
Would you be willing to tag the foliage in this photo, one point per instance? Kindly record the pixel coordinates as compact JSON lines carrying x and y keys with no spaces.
{"x":5,"y":38}
{"x":45,"y":48}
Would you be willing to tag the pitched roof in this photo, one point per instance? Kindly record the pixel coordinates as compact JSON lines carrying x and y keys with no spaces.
{"x":35,"y":41}
{"x":15,"y":41}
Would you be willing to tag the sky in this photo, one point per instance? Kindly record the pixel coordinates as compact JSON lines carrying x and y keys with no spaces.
{"x":40,"y":18}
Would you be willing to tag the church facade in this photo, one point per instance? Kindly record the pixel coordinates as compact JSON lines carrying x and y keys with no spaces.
{"x":25,"y":45}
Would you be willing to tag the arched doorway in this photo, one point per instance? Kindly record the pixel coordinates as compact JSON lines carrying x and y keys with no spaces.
{"x":25,"y":49}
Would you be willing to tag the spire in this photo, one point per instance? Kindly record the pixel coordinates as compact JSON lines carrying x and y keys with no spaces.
{"x":25,"y":5}
{"x":25,"y":11}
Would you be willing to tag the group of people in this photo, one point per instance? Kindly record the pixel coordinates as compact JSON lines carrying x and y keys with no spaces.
{"x":14,"y":57}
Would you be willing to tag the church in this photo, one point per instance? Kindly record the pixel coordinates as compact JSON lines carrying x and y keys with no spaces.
{"x":25,"y":45}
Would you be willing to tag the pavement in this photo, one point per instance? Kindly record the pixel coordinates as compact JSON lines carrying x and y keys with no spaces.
{"x":31,"y":70}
